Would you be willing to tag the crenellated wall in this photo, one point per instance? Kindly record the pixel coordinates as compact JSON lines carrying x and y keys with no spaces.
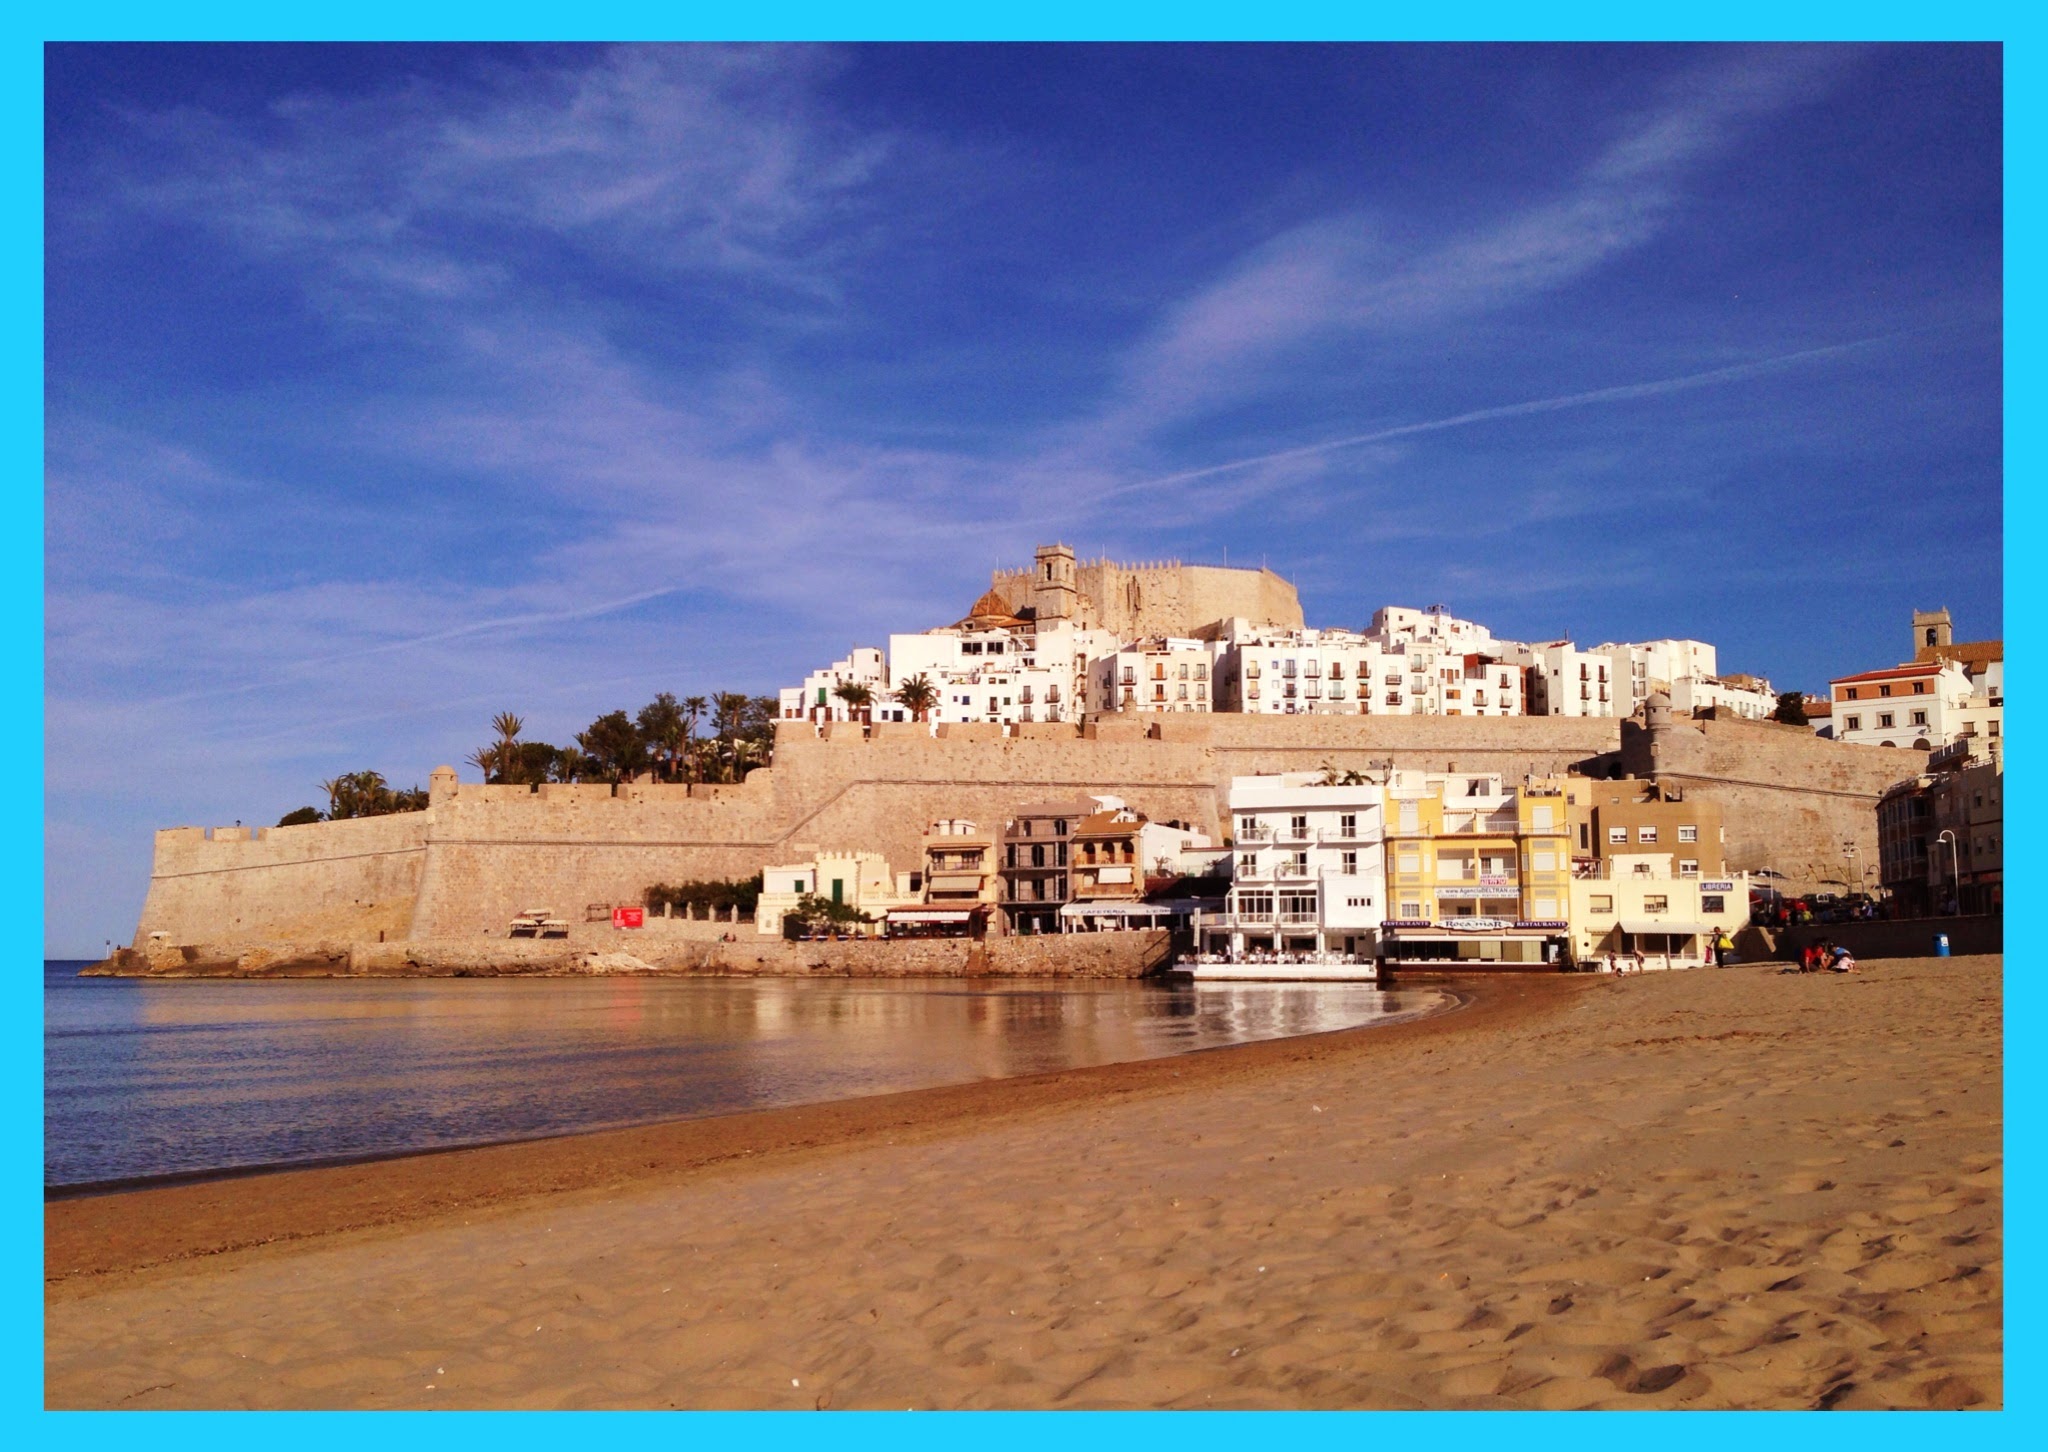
{"x":480,"y":854}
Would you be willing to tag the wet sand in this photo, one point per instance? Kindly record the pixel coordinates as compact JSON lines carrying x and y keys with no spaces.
{"x":1733,"y":1188}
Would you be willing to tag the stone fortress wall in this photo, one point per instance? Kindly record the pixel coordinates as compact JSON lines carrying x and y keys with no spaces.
{"x":1166,"y":598}
{"x":479,"y":854}
{"x":1789,"y":799}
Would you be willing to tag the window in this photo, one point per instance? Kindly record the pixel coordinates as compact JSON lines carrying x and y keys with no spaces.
{"x":1646,"y":834}
{"x":1544,"y":861}
{"x":1546,"y":907}
{"x":1298,"y":825}
{"x":1617,"y":836}
{"x":1852,"y":723}
{"x":1688,"y":867}
{"x":1247,"y":863}
{"x":1038,"y":854}
{"x":1713,"y":903}
{"x":1919,"y":718}
{"x":1600,"y":903}
{"x":1688,"y":834}
{"x":1060,"y":854}
{"x":1852,"y":693}
{"x":1350,"y":868}
{"x":1656,"y":904}
{"x":1884,"y":690}
{"x":1411,"y":910}
{"x":1884,"y":720}
{"x":1411,"y":862}
{"x":1011,"y":858}
{"x":1347,"y":825}
{"x":1059,"y":826}
{"x":1540,"y":818}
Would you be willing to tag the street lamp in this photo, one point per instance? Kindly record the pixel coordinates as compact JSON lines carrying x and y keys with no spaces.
{"x":1955,"y":876}
{"x":1849,"y":852}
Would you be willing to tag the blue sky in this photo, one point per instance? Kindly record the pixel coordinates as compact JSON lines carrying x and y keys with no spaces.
{"x":392,"y":387}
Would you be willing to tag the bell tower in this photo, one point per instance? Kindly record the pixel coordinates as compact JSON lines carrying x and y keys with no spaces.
{"x":1930,"y":628}
{"x":1055,"y":595}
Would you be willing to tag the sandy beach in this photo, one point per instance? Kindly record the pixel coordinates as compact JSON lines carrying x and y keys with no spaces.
{"x":1720,"y":1188}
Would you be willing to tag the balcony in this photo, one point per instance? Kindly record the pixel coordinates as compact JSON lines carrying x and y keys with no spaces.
{"x":1296,"y":871}
{"x":1255,"y":834}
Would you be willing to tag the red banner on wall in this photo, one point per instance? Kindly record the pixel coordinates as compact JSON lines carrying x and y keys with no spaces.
{"x":623,"y":917}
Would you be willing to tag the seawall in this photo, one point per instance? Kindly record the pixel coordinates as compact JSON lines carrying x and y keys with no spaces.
{"x":478,"y":855}
{"x":1081,"y":955}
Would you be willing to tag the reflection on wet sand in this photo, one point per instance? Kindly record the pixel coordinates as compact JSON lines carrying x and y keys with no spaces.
{"x":146,"y":1079}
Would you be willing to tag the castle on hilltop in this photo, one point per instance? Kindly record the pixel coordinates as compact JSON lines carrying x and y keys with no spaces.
{"x":1157,"y":598}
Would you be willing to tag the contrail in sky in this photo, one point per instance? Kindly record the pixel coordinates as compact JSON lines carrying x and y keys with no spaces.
{"x":453,"y":632}
{"x":1713,"y":376}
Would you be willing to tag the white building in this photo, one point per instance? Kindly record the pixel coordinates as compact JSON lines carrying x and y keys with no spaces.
{"x":990,"y":668}
{"x":1566,"y":681}
{"x":814,"y":699}
{"x":858,"y":880}
{"x":1310,"y":870}
{"x":1341,"y":672}
{"x":1165,"y":673}
{"x":1925,"y":705}
{"x":1744,"y":696}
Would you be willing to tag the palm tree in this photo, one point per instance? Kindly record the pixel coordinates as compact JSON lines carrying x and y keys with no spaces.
{"x":508,"y":727}
{"x":488,"y":760}
{"x":728,"y":722}
{"x":693,"y":710}
{"x":859,"y":700}
{"x":918,"y":696}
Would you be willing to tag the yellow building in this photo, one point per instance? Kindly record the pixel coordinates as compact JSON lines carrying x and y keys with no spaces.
{"x":1478,"y":870}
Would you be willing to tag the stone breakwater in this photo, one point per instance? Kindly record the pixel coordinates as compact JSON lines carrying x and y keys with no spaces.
{"x":1080,"y":955}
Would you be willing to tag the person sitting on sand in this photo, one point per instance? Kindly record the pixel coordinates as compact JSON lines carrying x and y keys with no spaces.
{"x":1841,"y":960}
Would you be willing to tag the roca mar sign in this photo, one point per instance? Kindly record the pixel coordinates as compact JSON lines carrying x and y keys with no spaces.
{"x":625,"y":917}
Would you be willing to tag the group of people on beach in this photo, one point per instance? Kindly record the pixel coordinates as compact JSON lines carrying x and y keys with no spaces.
{"x":1826,"y":957}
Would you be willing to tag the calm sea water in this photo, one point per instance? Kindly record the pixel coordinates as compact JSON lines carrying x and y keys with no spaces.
{"x":148,"y":1079}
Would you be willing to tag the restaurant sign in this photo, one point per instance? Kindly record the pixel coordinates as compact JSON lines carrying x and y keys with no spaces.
{"x":1477,"y":925}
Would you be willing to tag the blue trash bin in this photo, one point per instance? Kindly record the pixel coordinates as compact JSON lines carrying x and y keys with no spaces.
{"x":1941,"y":945}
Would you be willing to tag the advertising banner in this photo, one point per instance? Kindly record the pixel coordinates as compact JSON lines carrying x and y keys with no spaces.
{"x":625,"y":917}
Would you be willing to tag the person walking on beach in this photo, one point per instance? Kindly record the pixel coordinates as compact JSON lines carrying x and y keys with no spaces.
{"x":1723,"y":946}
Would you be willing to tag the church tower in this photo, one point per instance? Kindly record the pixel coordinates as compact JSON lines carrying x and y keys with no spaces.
{"x":1055,"y":594}
{"x":1930,"y":628}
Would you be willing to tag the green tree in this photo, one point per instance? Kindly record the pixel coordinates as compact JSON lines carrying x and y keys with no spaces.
{"x":1791,"y":708}
{"x":614,"y":746}
{"x":814,"y":913}
{"x":664,"y":727}
{"x":918,"y":695}
{"x":728,"y":727}
{"x":301,"y":817}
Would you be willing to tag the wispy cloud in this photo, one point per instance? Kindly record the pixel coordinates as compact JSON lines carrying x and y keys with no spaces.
{"x":1621,"y":393}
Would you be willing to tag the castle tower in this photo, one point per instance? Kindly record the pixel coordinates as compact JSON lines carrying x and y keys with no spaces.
{"x":1930,"y":627}
{"x":1055,"y":592}
{"x":441,"y":784}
